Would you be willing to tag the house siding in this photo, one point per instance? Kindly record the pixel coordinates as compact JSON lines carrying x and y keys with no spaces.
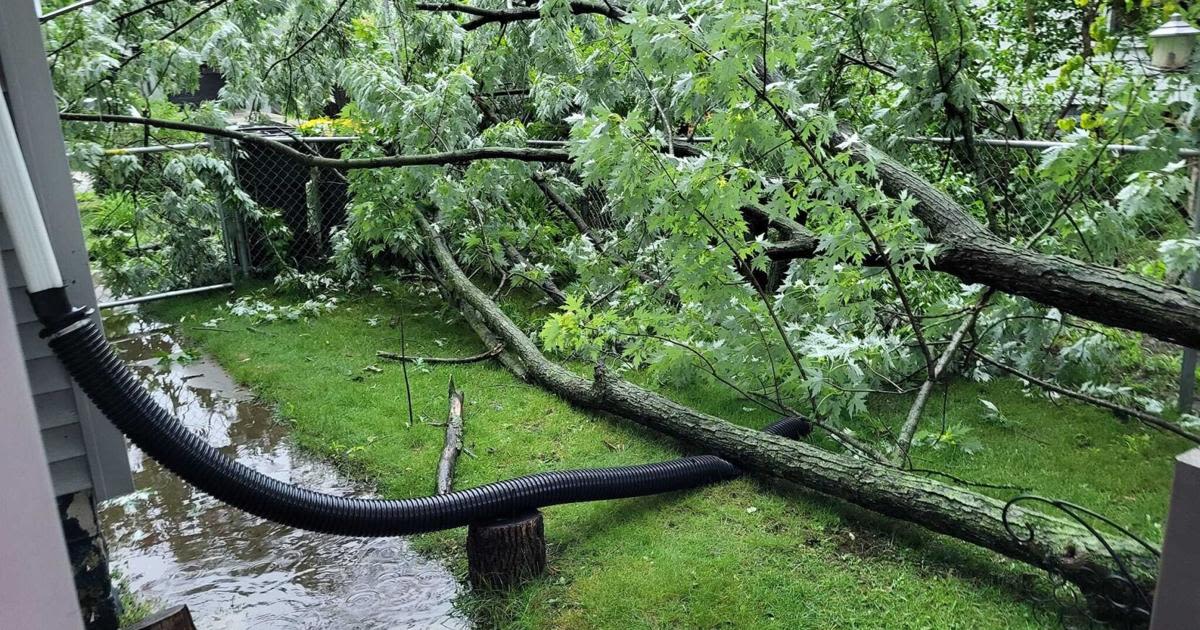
{"x":83,"y":450}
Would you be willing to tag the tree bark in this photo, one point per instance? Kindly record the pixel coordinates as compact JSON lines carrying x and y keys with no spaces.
{"x":975,"y":255}
{"x":505,"y":553}
{"x":1029,"y":536}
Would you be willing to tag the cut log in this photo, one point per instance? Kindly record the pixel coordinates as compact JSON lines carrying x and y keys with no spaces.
{"x":1056,"y":545}
{"x":506,"y":553}
{"x":454,"y":441}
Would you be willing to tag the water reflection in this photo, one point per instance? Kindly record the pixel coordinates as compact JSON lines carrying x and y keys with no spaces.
{"x":176,"y":545}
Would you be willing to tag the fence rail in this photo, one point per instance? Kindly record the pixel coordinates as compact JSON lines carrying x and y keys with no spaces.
{"x":1038,"y":145}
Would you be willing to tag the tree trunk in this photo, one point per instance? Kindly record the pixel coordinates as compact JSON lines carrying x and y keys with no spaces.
{"x":1026,"y":535}
{"x":975,"y":255}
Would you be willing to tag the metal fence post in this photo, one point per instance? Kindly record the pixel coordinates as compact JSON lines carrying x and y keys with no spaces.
{"x":232,"y":223}
{"x":1177,"y":597}
{"x":1187,"y":375}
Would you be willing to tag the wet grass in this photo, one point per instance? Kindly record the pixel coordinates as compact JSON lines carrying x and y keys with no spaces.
{"x":746,"y":554}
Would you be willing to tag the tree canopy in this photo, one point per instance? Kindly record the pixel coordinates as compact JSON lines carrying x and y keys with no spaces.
{"x":723,"y":190}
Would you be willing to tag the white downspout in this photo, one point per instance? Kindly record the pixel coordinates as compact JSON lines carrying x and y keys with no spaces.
{"x":19,"y":205}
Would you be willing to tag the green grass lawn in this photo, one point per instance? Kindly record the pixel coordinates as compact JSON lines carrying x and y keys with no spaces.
{"x":746,"y":554}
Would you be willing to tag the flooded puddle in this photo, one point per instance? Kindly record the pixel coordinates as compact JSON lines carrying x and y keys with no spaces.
{"x":175,"y":545}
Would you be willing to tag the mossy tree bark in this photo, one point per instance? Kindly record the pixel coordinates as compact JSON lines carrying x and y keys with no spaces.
{"x":1043,"y":541}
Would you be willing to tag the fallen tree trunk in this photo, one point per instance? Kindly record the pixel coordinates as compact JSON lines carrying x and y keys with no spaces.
{"x":1053,"y":544}
{"x":976,"y":255}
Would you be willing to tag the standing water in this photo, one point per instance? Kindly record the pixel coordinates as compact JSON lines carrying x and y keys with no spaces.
{"x":173,"y":544}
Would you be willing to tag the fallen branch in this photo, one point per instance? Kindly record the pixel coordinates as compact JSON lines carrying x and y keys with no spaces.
{"x":484,"y":17}
{"x":454,"y":433}
{"x":475,"y":358}
{"x":909,"y":429}
{"x":1142,"y":416}
{"x":1064,"y":548}
{"x":974,"y":254}
{"x":461,"y":156}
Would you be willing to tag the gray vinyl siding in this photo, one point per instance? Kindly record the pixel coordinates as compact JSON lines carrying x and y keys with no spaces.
{"x":54,"y":395}
{"x":82,"y":448}
{"x":36,"y":590}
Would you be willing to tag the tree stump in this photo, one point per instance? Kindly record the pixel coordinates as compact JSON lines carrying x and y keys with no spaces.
{"x":174,"y":618}
{"x":507,"y":552}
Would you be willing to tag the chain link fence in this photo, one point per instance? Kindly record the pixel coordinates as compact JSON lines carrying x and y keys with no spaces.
{"x":165,"y":220}
{"x":256,"y":212}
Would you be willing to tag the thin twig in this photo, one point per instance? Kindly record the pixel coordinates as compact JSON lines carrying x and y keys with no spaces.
{"x":1142,"y":416}
{"x":475,"y":358}
{"x":404,"y":367}
{"x":311,"y":38}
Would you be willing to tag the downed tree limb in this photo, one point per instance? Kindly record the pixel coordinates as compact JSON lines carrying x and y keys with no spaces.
{"x":1029,"y":536}
{"x":1141,"y":416}
{"x":461,"y":156}
{"x":475,"y":358}
{"x":484,"y":17}
{"x":454,"y":441}
{"x":975,"y":254}
{"x":914,"y":413}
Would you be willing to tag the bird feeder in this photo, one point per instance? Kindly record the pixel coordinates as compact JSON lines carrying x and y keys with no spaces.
{"x":1172,"y":44}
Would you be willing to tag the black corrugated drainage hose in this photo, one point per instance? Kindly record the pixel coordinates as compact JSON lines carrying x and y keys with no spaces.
{"x":79,"y":343}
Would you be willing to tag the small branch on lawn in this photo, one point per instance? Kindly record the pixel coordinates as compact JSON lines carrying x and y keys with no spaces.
{"x":475,"y":358}
{"x":461,"y":156}
{"x":454,"y":441}
{"x":1141,"y":416}
{"x":914,"y":413}
{"x":404,"y":366}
